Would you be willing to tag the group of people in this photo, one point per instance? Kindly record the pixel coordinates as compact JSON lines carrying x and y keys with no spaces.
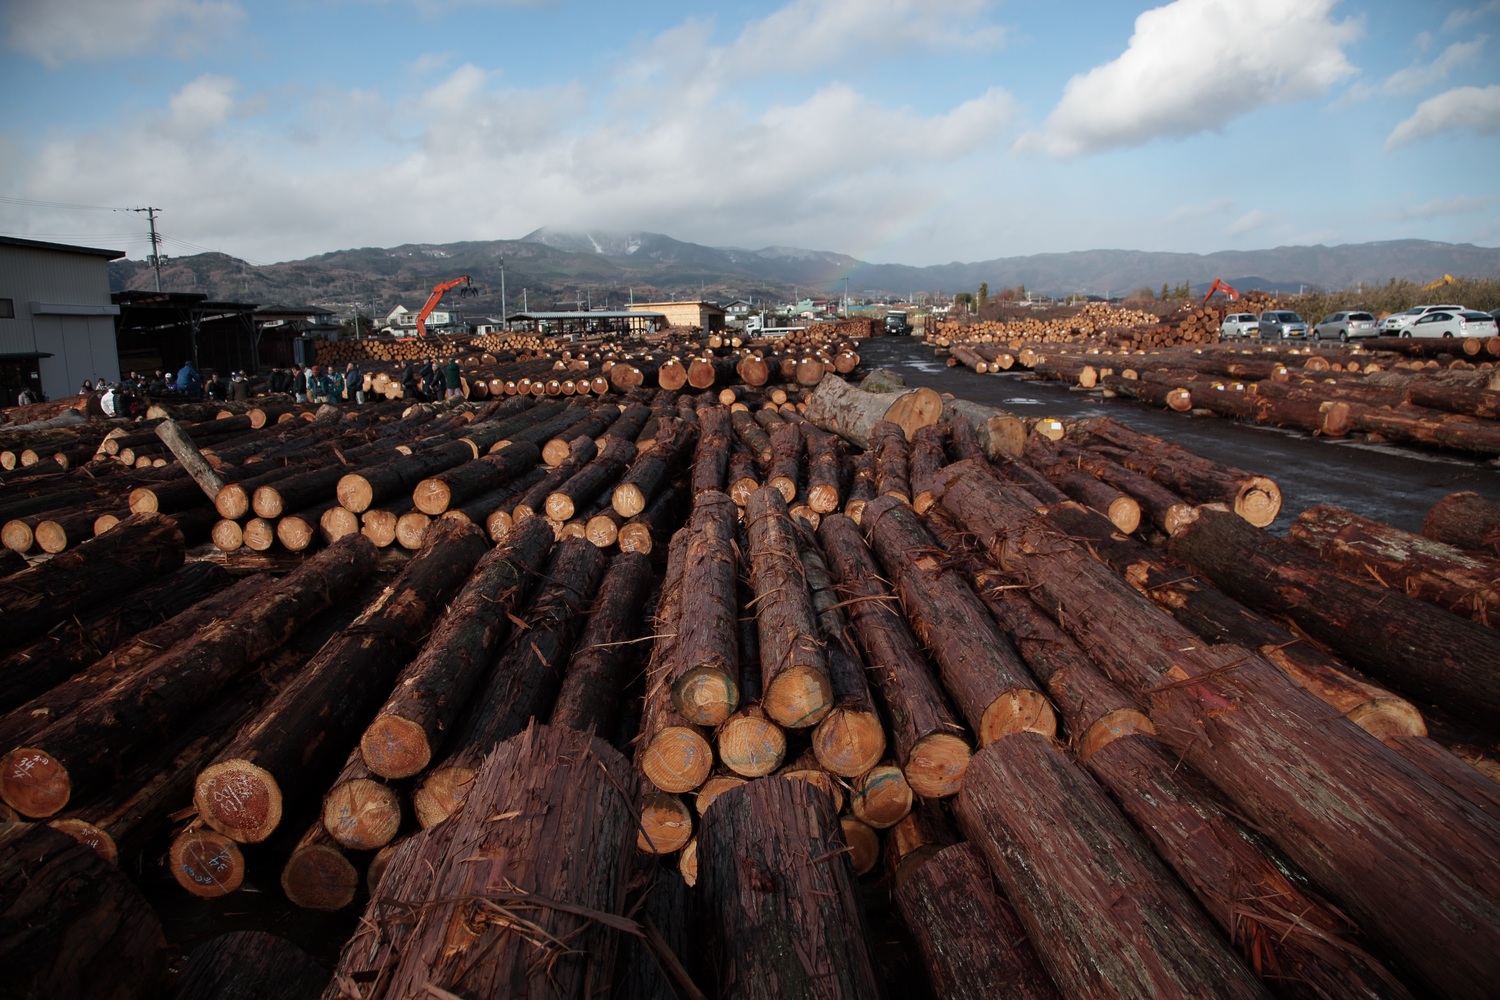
{"x":315,"y":384}
{"x":428,"y":380}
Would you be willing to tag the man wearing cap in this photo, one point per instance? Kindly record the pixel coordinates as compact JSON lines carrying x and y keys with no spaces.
{"x":239,"y":389}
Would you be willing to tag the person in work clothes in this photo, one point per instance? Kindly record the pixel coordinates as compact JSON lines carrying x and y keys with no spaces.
{"x":452,"y":382}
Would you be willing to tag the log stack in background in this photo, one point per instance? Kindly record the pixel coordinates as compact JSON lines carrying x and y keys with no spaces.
{"x":871,"y":625}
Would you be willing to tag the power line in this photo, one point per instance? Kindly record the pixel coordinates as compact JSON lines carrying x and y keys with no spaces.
{"x":7,"y":200}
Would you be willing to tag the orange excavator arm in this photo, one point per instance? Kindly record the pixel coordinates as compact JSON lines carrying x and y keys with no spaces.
{"x":1220,"y":285}
{"x":438,"y":291}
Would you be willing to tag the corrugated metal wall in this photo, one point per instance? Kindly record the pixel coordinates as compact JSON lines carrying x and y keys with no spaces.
{"x":82,"y":347}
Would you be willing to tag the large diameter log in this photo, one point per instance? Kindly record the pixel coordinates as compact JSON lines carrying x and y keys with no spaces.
{"x":1108,"y":919}
{"x":1297,"y":942}
{"x":980,"y":666}
{"x":840,"y":408}
{"x":593,"y":687}
{"x":561,"y":864}
{"x":1420,"y":650}
{"x":1466,"y":520}
{"x":998,"y":432}
{"x":1414,"y":864}
{"x":1440,"y":574}
{"x":139,"y":549}
{"x":781,"y":896}
{"x":72,"y":645}
{"x":75,"y":925}
{"x":927,"y":738}
{"x":671,"y":752}
{"x":705,"y":674}
{"x":711,"y":452}
{"x":433,"y":689}
{"x":971,"y":942}
{"x":796,"y":691}
{"x":359,"y":491}
{"x":76,"y":754}
{"x":299,"y":739}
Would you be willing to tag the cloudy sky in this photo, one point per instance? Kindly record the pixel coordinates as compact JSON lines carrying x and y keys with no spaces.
{"x":897,"y":131}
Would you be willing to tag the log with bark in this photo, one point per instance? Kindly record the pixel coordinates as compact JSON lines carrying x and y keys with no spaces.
{"x":1444,"y":575}
{"x":927,"y":738}
{"x":318,"y":875}
{"x":433,"y":689}
{"x":1107,"y":917}
{"x":892,"y":466}
{"x":971,"y":942}
{"x":1255,"y":498}
{"x":1466,"y":520}
{"x":979,"y":665}
{"x":593,"y":687}
{"x":72,"y":645}
{"x":781,"y":896}
{"x":652,"y":471}
{"x":1403,"y":856}
{"x":1422,"y":651}
{"x":545,"y":912}
{"x":138,"y":550}
{"x":705,"y":673}
{"x":75,"y":926}
{"x":711,"y":451}
{"x":293,"y":747}
{"x":77,"y":754}
{"x":997,"y":432}
{"x":796,"y":691}
{"x":524,"y":682}
{"x":671,"y":752}
{"x":249,"y":965}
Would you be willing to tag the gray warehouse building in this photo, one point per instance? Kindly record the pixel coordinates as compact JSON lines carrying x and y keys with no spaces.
{"x":57,"y":323}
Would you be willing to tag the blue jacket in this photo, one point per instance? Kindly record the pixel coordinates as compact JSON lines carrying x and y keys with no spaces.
{"x":189,"y":381}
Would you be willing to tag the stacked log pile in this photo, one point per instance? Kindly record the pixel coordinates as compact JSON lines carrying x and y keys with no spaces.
{"x":1106,"y":735}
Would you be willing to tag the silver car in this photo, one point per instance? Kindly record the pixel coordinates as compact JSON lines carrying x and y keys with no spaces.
{"x":1237,"y":325}
{"x":1345,"y":326}
{"x":1282,"y":324}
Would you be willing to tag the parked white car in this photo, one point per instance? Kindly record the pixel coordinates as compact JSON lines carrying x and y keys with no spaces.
{"x":1452,"y":323}
{"x":1238,"y":325}
{"x":1393,"y":324}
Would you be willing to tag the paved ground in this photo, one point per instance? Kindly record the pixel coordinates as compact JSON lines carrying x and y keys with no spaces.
{"x":1396,"y":485}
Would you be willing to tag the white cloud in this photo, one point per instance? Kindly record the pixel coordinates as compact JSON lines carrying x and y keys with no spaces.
{"x":1459,"y":205}
{"x":1476,"y":108}
{"x":204,"y":103}
{"x":1465,"y":16}
{"x":1250,"y":221}
{"x":1193,"y":65}
{"x":57,"y":32}
{"x":1417,"y":77}
{"x":812,"y":32}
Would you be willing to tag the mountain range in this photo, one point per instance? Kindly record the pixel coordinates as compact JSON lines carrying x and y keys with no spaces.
{"x":554,"y":269}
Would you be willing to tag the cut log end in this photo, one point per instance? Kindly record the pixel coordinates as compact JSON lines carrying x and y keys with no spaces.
{"x":1113,"y":726}
{"x":713,"y":788}
{"x":1387,"y":718}
{"x":935,"y":767}
{"x":34,"y":783}
{"x":666,"y":824}
{"x":628,"y":500}
{"x":677,"y":759}
{"x":362,"y":814}
{"x":752,"y":745}
{"x":882,"y":797}
{"x":849,"y":742}
{"x":441,"y":794}
{"x":1259,"y":502}
{"x":705,"y":696}
{"x":394,"y":747}
{"x":864,"y":844}
{"x":319,"y":877}
{"x":1016,"y":711}
{"x":799,"y":696}
{"x":238,"y":799}
{"x":206,"y":863}
{"x":89,"y":835}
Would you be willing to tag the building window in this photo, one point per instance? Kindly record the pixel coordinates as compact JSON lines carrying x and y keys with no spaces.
{"x":7,"y":308}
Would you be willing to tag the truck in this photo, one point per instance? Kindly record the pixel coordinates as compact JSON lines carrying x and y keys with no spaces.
{"x":896,"y":324}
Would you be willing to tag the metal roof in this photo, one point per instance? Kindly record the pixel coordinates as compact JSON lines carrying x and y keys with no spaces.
{"x":16,"y":241}
{"x":587,"y":314}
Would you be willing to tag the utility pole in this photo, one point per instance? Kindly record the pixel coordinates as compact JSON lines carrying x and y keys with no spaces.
{"x":156,"y":257}
{"x":504,"y":321}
